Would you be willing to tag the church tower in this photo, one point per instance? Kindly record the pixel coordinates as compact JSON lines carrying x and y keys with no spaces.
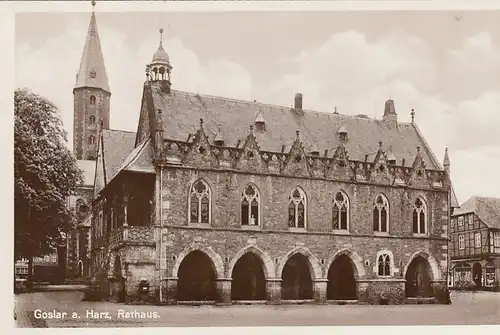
{"x":91,"y":96}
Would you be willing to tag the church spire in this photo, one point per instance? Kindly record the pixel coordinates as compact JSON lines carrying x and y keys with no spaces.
{"x":92,"y":72}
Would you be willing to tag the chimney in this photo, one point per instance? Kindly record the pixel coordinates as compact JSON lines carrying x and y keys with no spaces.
{"x":390,"y":117}
{"x":298,"y":102}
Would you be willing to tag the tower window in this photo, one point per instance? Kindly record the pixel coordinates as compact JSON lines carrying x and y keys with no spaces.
{"x":92,"y":100}
{"x":91,"y":139}
{"x":92,"y":119}
{"x":92,"y":74}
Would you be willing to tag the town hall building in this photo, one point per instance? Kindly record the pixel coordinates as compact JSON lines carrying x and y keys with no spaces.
{"x":222,"y":200}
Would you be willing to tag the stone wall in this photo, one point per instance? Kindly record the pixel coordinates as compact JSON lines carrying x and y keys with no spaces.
{"x":82,"y":128}
{"x":227,"y":189}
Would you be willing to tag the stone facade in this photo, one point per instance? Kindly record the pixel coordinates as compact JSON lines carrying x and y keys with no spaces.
{"x":249,"y":208}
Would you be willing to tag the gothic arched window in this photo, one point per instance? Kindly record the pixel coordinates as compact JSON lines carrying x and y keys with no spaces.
{"x":92,"y":100}
{"x":381,"y":214}
{"x":200,"y":199}
{"x":91,"y":139}
{"x":340,"y":211}
{"x":297,"y":209}
{"x":92,"y":119}
{"x":384,"y":265}
{"x":419,"y":216}
{"x":250,"y":206}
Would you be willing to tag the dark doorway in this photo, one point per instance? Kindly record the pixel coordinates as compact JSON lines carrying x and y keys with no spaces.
{"x":296,"y":279}
{"x":418,"y":278}
{"x":477,"y":274}
{"x":248,"y":282}
{"x":341,"y":281}
{"x":196,"y":278}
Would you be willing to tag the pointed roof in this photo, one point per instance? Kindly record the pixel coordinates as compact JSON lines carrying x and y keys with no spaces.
{"x":92,"y":72}
{"x":342,"y":129}
{"x":486,"y":208}
{"x":446,"y":161}
{"x":260,"y":117}
{"x":390,"y":155}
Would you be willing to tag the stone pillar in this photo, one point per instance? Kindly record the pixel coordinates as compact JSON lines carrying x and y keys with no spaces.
{"x":440,"y":291}
{"x":273,"y":290}
{"x":319,"y":294}
{"x":223,"y":286}
{"x":169,"y":287}
{"x":362,"y":288}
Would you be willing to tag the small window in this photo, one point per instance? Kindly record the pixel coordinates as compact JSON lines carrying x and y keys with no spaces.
{"x":92,"y":100}
{"x":460,"y":221}
{"x":92,"y":120}
{"x":477,"y":240}
{"x":384,"y":265}
{"x":490,"y":276}
{"x":496,"y":239}
{"x":461,"y":242}
{"x":452,"y":222}
{"x":91,"y":139}
{"x":471,"y":219}
{"x":93,"y":74}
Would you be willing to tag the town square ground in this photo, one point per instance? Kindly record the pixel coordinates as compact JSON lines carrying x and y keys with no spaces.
{"x":480,"y":308}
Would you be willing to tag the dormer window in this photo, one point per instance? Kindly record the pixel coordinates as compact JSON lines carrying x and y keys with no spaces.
{"x":260,"y":126}
{"x":342,"y":134}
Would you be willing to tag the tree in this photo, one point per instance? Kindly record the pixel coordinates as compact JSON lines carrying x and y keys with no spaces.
{"x":45,"y":174}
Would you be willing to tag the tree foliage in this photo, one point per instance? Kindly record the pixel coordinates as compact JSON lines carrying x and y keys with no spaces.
{"x":45,"y":174}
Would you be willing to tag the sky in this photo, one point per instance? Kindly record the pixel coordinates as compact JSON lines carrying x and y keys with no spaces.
{"x":443,"y":64}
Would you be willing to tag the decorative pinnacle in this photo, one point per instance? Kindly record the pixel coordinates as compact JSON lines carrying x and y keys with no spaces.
{"x":298,"y":133}
{"x":251,"y":128}
{"x":161,"y":36}
{"x":93,"y":3}
{"x":380,"y":144}
{"x":201,"y":122}
{"x":418,"y":148}
{"x":412,"y":115}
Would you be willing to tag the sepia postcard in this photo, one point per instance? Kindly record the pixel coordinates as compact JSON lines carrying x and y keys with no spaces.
{"x":255,"y":164}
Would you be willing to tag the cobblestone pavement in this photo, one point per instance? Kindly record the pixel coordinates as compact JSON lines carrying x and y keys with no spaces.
{"x":467,"y":309}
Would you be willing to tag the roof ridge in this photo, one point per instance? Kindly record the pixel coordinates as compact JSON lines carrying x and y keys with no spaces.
{"x":118,"y":130}
{"x":140,"y":147}
{"x":257,"y":103}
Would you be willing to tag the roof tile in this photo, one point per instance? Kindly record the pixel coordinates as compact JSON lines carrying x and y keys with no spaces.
{"x":182,"y":116}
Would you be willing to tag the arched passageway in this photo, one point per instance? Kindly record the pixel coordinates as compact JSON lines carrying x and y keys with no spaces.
{"x":296,"y":279}
{"x":341,"y":280}
{"x":477,"y":274}
{"x":248,"y":282}
{"x":418,"y":278}
{"x":196,"y":278}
